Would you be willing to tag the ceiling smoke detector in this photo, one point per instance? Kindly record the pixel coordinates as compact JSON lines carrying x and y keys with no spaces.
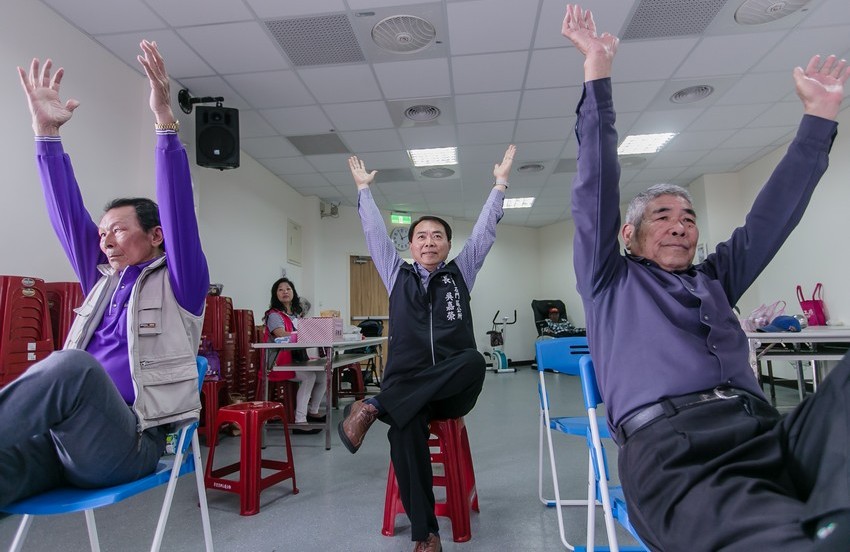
{"x":692,"y":94}
{"x":757,"y":12}
{"x":437,"y":172}
{"x":422,"y":113}
{"x":530,"y":168}
{"x":403,"y":34}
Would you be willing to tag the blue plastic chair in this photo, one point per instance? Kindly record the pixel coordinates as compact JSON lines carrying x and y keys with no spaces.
{"x":611,"y":497}
{"x":70,"y":499}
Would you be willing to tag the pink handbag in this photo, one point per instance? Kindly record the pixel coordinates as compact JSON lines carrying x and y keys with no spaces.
{"x":814,"y":309}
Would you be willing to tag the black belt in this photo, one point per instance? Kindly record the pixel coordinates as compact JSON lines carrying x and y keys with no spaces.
{"x":671,"y":405}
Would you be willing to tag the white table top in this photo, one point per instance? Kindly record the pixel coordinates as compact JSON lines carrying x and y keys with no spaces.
{"x":812,"y":334}
{"x":335,"y":345}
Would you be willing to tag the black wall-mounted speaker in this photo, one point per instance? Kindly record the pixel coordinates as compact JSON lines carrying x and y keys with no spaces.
{"x":217,"y":137}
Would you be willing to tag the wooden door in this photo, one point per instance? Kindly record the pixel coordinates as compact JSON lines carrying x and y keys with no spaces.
{"x":368,"y":295}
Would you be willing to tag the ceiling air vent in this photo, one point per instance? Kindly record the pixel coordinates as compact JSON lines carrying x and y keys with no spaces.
{"x":530,"y":168}
{"x":403,"y":34}
{"x":756,"y":12}
{"x":422,"y":113}
{"x":692,"y":94}
{"x":437,"y":172}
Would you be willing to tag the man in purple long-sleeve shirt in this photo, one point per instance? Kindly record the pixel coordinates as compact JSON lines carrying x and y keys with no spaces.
{"x":705,"y":462}
{"x":433,"y":369}
{"x":87,"y":415}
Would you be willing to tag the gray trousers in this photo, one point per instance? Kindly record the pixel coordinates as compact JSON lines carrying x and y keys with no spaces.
{"x":63,"y":422}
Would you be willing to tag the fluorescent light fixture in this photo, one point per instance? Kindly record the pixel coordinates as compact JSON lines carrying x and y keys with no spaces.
{"x":518,"y":202}
{"x":433,"y":156}
{"x":644,"y":143}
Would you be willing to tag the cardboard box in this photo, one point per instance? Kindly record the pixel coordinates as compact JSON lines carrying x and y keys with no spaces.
{"x":330,"y":314}
{"x":319,"y":330}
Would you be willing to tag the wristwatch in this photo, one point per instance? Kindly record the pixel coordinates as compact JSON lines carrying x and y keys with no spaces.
{"x":505,"y":183}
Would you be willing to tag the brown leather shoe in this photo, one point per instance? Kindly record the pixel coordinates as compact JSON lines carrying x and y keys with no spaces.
{"x":359,"y":416}
{"x":431,"y":544}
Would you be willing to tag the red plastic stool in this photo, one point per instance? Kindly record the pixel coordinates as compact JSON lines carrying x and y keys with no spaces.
{"x":210,"y":400}
{"x":358,"y":388}
{"x":250,"y":417}
{"x":452,"y":442}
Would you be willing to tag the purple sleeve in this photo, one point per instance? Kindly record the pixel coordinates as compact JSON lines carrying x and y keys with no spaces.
{"x":471,"y":257}
{"x":596,"y":193}
{"x":73,"y":225}
{"x":187,"y":265}
{"x":378,"y":242}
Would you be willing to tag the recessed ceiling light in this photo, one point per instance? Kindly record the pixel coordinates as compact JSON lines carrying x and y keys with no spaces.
{"x":644,"y":143}
{"x":433,"y":156}
{"x":518,"y":202}
{"x":530,"y":168}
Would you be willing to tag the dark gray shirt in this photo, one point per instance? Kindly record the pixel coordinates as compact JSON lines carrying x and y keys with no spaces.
{"x":654,"y":333}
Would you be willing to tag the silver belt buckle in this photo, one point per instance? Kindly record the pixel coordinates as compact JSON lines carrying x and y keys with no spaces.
{"x":724,"y":392}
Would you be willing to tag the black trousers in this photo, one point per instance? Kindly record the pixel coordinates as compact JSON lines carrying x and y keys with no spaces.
{"x":735,"y":475}
{"x":447,"y":389}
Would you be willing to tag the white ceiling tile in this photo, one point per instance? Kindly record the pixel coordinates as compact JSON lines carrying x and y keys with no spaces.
{"x":200,"y":12}
{"x":295,"y":121}
{"x":726,"y":156}
{"x":420,"y":78}
{"x":323,"y":192}
{"x":288,"y":165}
{"x":386,"y":160}
{"x":107,"y":16}
{"x":235,"y":47}
{"x":689,"y":141}
{"x":779,"y":114}
{"x":801,"y":44}
{"x":485,"y":133}
{"x":672,"y":159}
{"x":359,"y":116}
{"x":371,"y":140}
{"x":489,"y":72}
{"x":727,"y":116}
{"x":540,"y":151}
{"x":265,"y":147}
{"x":215,"y":87}
{"x":666,"y":55}
{"x":557,"y":67}
{"x":651,"y":122}
{"x":758,"y":88}
{"x":477,"y":108}
{"x":341,"y":83}
{"x":490,"y":25}
{"x":180,"y":61}
{"x":752,"y":137}
{"x":329,"y":162}
{"x":340,"y":179}
{"x":271,"y":89}
{"x":252,"y":125}
{"x":362,"y":4}
{"x":484,"y":156}
{"x":549,"y":102}
{"x":302,"y":181}
{"x":534,"y":130}
{"x":827,"y":12}
{"x":434,"y":136}
{"x":635,"y":96}
{"x":723,"y":55}
{"x":276,"y":8}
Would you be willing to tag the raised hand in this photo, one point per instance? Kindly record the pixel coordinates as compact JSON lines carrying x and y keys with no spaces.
{"x":821,"y":86}
{"x":358,"y":170}
{"x":598,"y":50}
{"x":502,"y":170}
{"x":154,"y":66}
{"x":48,"y":111}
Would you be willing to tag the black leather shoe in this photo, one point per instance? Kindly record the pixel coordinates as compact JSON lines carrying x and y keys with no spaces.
{"x":316,"y":419}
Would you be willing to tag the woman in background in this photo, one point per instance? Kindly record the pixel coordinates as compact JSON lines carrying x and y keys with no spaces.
{"x":285,"y":308}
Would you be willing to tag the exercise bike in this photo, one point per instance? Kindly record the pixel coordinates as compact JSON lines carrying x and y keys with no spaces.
{"x":497,"y":342}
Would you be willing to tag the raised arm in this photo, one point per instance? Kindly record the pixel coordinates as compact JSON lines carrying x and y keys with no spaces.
{"x":475,"y":250}
{"x":821,"y":86}
{"x":71,"y":222}
{"x":384,"y":255}
{"x":187,"y":265}
{"x":595,"y":194}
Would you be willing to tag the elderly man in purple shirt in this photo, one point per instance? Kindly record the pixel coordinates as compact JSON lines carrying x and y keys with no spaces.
{"x":705,"y":462}
{"x":433,"y":369}
{"x":97,"y":413}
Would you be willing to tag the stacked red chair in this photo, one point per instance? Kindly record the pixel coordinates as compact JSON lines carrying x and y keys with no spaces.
{"x":26,"y":335}
{"x":255,"y":472}
{"x":218,"y":333}
{"x":449,"y":447}
{"x":62,"y":298}
{"x":245,"y":375}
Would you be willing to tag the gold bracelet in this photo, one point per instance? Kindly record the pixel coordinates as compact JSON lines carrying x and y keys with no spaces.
{"x":175,"y":126}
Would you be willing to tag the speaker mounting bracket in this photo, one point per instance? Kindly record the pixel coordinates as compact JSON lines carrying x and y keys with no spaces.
{"x":186,"y":101}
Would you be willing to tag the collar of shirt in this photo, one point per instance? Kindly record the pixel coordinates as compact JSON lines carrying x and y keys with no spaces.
{"x":424,"y":275}
{"x":644,"y":261}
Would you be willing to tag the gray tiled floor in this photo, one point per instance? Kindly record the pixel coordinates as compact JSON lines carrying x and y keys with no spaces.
{"x":340,"y":503}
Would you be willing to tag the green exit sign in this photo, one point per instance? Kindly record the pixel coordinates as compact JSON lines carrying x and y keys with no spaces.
{"x":398,"y":218}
